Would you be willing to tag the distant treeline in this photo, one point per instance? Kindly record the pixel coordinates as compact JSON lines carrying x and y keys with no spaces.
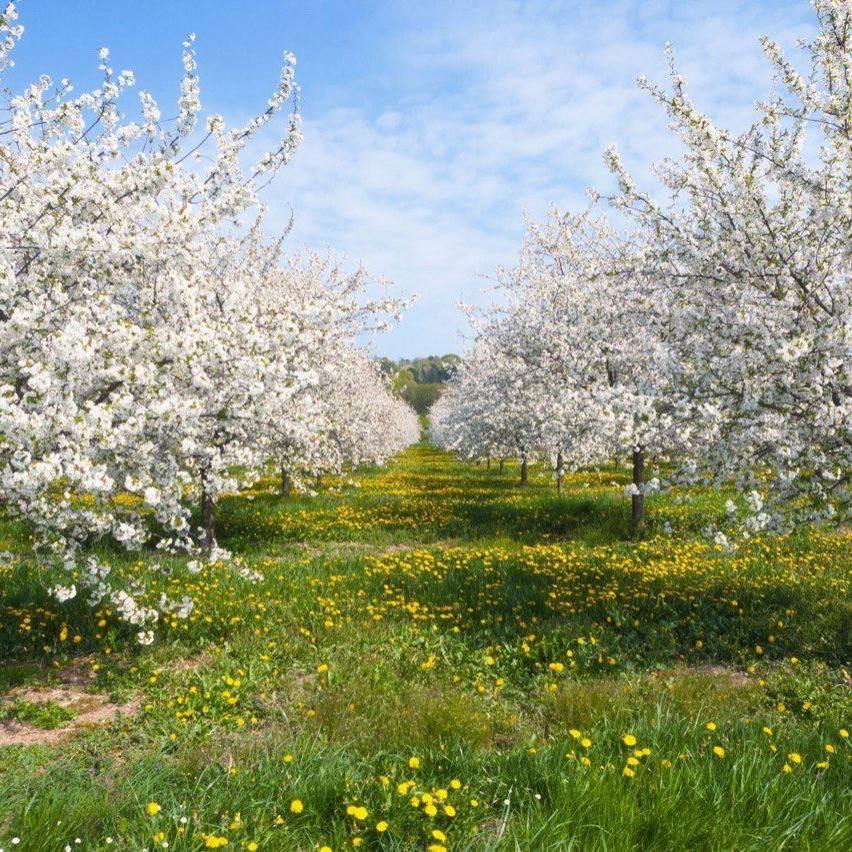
{"x":420,"y":381}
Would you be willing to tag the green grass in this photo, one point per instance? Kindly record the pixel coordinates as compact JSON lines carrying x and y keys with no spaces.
{"x":507,"y":639}
{"x":47,"y":715}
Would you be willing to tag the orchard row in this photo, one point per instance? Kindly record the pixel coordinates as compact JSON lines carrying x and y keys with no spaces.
{"x":712,"y":328}
{"x":156,"y":347}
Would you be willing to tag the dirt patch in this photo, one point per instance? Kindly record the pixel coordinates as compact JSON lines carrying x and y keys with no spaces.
{"x":79,"y":674}
{"x":332,"y":549}
{"x":187,"y":664}
{"x":731,"y":676}
{"x":90,"y":711}
{"x":354,"y":548}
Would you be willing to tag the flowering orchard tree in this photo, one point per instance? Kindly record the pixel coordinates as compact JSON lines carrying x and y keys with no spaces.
{"x":483,"y":411}
{"x":369,"y":423}
{"x":313,"y":429}
{"x":588,"y":321}
{"x":148,"y":334}
{"x":584,"y":374}
{"x":108,"y":253}
{"x":754,"y":251}
{"x":718,"y":327}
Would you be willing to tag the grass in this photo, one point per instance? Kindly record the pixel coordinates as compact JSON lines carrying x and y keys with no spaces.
{"x":426,"y":656}
{"x":46,"y":715}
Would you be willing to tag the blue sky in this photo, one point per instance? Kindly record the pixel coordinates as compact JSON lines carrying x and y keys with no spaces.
{"x":431,"y":128}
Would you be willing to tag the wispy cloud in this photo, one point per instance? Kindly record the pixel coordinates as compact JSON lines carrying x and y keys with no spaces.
{"x":500,"y":108}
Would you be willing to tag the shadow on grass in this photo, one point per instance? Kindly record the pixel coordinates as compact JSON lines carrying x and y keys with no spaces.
{"x":543,"y":519}
{"x":479,"y":511}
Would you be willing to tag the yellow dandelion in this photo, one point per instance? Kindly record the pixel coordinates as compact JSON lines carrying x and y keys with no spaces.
{"x":357,"y":811}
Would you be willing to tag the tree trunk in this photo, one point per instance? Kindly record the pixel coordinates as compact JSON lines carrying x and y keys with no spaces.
{"x":639,"y":483}
{"x":559,"y":473}
{"x":488,"y":463}
{"x":524,"y":473}
{"x":502,"y":462}
{"x":319,"y":481}
{"x":208,"y":518}
{"x":285,"y":482}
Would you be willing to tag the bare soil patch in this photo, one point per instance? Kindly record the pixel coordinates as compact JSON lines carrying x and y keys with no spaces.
{"x":90,"y":711}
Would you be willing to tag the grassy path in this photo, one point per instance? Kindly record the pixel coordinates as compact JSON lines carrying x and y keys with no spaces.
{"x":428,"y":657}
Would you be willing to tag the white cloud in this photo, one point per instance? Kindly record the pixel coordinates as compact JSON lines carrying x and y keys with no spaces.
{"x":500,"y":108}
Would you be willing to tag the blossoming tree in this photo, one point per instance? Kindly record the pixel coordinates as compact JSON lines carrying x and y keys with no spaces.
{"x":754,"y":250}
{"x":147,"y":331}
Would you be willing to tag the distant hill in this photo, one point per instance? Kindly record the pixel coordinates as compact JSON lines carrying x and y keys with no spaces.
{"x":420,"y":381}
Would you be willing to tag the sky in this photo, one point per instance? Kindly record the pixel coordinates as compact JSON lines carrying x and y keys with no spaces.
{"x":431,"y":129}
